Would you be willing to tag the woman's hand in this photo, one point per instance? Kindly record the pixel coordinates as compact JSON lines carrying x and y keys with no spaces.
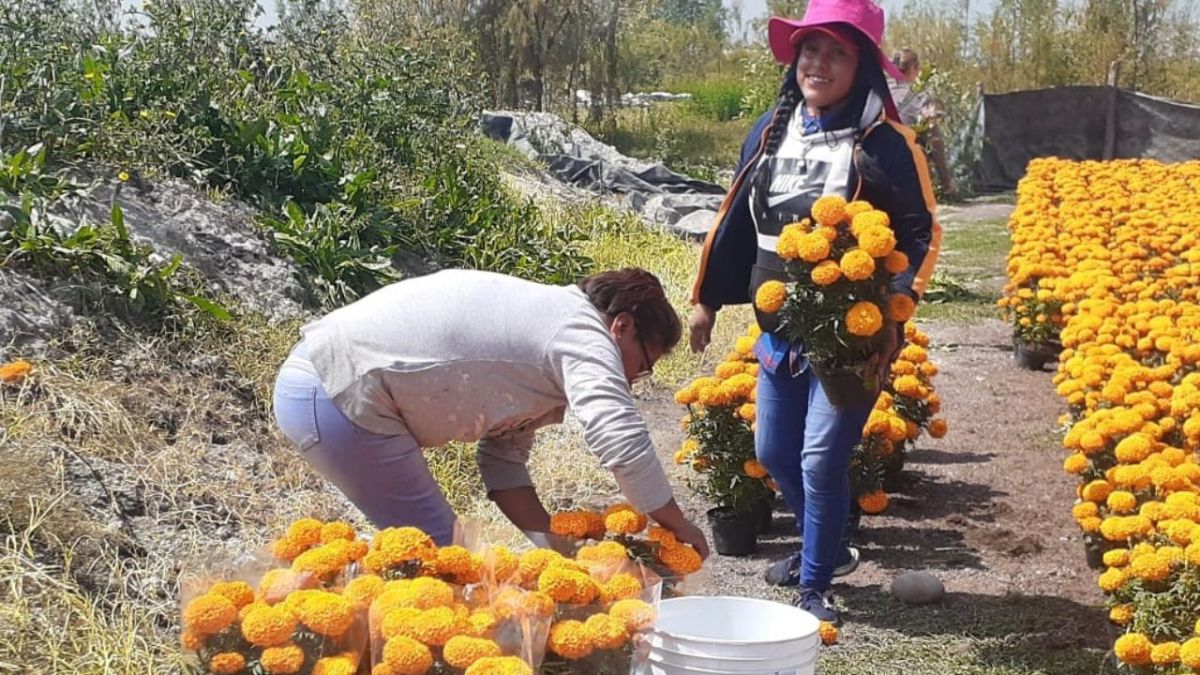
{"x":701,"y":325}
{"x":880,"y":363}
{"x":672,"y":518}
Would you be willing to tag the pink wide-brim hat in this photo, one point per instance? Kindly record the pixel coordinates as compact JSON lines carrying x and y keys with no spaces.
{"x":822,"y":15}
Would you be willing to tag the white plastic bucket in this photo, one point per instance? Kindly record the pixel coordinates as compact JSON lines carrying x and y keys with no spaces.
{"x":726,"y":635}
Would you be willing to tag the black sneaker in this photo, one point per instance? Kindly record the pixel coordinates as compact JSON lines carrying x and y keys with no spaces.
{"x":818,"y":604}
{"x":786,"y":572}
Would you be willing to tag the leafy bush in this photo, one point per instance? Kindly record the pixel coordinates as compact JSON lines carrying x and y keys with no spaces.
{"x":352,"y":147}
{"x":716,"y":99}
{"x":114,"y":274}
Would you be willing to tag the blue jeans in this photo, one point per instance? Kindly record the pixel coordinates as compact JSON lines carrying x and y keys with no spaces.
{"x":386,"y":477}
{"x":806,"y":443}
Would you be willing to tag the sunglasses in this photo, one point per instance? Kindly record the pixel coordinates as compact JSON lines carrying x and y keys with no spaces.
{"x":648,"y":368}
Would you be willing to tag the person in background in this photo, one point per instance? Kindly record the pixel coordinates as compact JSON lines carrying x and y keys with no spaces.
{"x":919,"y":111}
{"x":473,"y":356}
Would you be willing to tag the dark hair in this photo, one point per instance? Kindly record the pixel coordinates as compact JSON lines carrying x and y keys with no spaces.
{"x":639,"y":293}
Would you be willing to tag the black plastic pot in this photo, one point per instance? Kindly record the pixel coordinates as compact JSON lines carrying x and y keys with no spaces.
{"x":765,"y":513}
{"x":1094,"y":554}
{"x":844,"y":387}
{"x":1031,"y":356}
{"x":734,"y":534}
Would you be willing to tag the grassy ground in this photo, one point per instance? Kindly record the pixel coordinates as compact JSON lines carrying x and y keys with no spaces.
{"x":970,"y":270}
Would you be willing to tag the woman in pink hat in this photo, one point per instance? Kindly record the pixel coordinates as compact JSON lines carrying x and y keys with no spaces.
{"x":834,"y":130}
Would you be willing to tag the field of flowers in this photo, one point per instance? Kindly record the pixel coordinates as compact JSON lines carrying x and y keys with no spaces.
{"x":1105,"y":260}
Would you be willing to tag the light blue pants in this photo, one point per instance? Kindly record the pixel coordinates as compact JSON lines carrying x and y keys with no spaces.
{"x":806,"y":443}
{"x":386,"y":477}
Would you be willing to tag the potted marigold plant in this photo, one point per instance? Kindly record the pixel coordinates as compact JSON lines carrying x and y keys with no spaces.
{"x":838,"y":298}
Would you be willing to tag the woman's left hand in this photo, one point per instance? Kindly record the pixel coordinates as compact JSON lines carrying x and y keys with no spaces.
{"x":880,"y":363}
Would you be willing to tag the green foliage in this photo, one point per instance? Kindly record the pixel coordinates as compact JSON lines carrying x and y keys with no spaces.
{"x":716,"y":99}
{"x":111,"y":273}
{"x":353,"y":147}
{"x":339,"y":252}
{"x":726,"y":442}
{"x":696,"y":145}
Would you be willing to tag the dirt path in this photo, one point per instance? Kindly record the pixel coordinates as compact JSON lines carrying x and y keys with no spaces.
{"x":986,"y":509}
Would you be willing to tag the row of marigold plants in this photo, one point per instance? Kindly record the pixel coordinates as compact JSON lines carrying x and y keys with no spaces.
{"x":721,"y":420}
{"x":1105,"y":260}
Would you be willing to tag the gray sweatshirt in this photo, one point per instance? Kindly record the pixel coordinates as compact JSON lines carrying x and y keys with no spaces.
{"x":475,"y":356}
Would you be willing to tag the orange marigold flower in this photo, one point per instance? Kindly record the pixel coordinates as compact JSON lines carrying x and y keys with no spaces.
{"x":1164,"y":653}
{"x":282,"y":660}
{"x":570,"y":640}
{"x":869,"y":218}
{"x":362,"y":590}
{"x":209,"y":614}
{"x":825,"y":273}
{"x":191,"y":640}
{"x":12,"y":373}
{"x":605,"y":632}
{"x":857,"y":265}
{"x":341,"y":664}
{"x":1189,"y":653}
{"x":770,"y":296}
{"x":1133,"y":649}
{"x":286,"y":549}
{"x":873,"y":502}
{"x":1097,"y":491}
{"x":462,"y":651}
{"x":864,"y":319}
{"x":1121,"y":501}
{"x":829,"y":210}
{"x":938,"y":428}
{"x":858,"y":206}
{"x":269,"y":626}
{"x":828,"y":632}
{"x":660,"y":534}
{"x":226,"y":663}
{"x":327,"y":614}
{"x":625,"y":522}
{"x":323,"y":561}
{"x":900,"y":307}
{"x":1117,"y":557}
{"x":405,"y":656}
{"x":636,"y":614}
{"x":813,"y":247}
{"x":500,"y":665}
{"x":337,"y":530}
{"x":1112,"y":579}
{"x":878,"y":242}
{"x":1121,"y":614}
{"x":607,"y":552}
{"x":680,"y":558}
{"x":534,"y":562}
{"x":895,"y":262}
{"x":238,"y":592}
{"x":1076,"y":463}
{"x":305,"y":532}
{"x":754,"y":469}
{"x":620,"y":587}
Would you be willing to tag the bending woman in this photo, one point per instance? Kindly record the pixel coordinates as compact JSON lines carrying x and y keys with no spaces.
{"x":474,"y":356}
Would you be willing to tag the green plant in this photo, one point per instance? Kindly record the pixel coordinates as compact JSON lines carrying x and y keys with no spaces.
{"x":718,"y":99}
{"x":725,"y":443}
{"x":114,"y":274}
{"x":338,"y":251}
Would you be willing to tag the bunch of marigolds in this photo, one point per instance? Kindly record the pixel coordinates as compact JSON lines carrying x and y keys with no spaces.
{"x":838,"y":297}
{"x":299,"y":618}
{"x":621,"y":534}
{"x":720,"y":425}
{"x":332,"y":603}
{"x":1113,"y":246}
